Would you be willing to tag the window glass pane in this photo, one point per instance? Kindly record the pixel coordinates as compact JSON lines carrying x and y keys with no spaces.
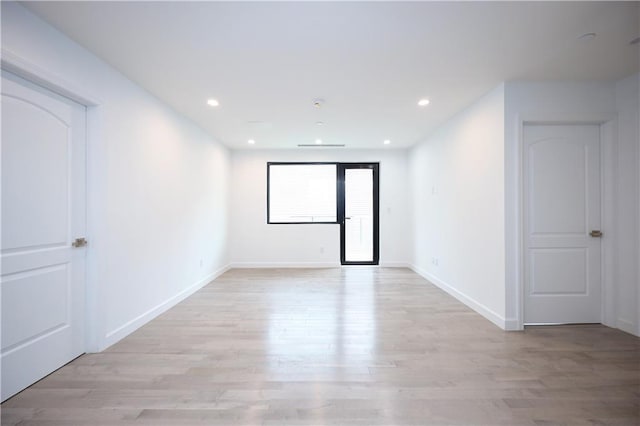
{"x":302,"y":193}
{"x":358,"y":240}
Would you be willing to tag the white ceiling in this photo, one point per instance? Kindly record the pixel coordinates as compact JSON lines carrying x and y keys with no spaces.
{"x":370,"y":61}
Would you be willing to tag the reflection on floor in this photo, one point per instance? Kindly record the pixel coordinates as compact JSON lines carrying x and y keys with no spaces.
{"x":359,"y":345}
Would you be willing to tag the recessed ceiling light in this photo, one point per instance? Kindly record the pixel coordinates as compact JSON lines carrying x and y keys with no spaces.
{"x":318,"y":141}
{"x":319,"y":123}
{"x":251,"y":141}
{"x":213,"y":102}
{"x":423,"y":102}
{"x":387,"y":142}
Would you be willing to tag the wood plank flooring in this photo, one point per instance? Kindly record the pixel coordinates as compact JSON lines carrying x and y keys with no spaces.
{"x":350,"y":346}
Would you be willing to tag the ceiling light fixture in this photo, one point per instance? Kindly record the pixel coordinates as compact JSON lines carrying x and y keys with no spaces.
{"x":387,"y":142}
{"x":318,"y":141}
{"x":423,"y":102}
{"x":213,"y":102}
{"x":251,"y":142}
{"x":319,"y":123}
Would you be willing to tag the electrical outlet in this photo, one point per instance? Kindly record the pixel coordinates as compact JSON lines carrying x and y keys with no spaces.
{"x":201,"y":263}
{"x":321,"y":250}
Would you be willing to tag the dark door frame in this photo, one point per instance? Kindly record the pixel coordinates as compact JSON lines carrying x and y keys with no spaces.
{"x":376,"y":210}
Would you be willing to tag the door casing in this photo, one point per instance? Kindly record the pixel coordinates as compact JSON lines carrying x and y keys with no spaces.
{"x":608,"y":150}
{"x":41,"y":259}
{"x":95,"y":318}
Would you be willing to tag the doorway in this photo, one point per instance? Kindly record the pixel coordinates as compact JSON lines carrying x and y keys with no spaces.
{"x":562,"y":224}
{"x":359,"y":204}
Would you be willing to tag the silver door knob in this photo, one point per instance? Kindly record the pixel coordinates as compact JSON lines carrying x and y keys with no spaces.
{"x":79,"y":242}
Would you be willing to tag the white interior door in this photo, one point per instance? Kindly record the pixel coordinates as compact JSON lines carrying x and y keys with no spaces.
{"x":43,"y":211}
{"x":561,"y":210}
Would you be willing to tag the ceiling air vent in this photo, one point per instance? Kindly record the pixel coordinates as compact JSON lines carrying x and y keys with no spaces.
{"x":324,"y":145}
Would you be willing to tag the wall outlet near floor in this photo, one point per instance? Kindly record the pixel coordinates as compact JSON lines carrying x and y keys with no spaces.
{"x":434,"y":261}
{"x":321,"y":250}
{"x":201,"y":263}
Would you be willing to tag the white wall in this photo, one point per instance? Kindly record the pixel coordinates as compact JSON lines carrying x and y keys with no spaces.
{"x":457,"y":190}
{"x":158,"y":186}
{"x":467,"y":240}
{"x":256,"y":243}
{"x":627,"y":95}
{"x":615,"y":105}
{"x":158,"y":200}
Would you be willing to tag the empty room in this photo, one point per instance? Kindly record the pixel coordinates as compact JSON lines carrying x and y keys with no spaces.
{"x":320,"y":213}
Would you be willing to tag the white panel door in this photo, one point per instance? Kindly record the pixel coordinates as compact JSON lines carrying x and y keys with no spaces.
{"x":43,"y":211}
{"x":561,"y":209}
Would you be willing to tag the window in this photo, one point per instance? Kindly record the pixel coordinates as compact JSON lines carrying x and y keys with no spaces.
{"x":302,"y":193}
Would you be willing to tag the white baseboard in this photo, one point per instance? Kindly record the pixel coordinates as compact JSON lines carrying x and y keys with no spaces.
{"x":132,"y":325}
{"x":254,"y":265}
{"x":511,"y":324}
{"x":627,"y":326}
{"x":470,"y":302}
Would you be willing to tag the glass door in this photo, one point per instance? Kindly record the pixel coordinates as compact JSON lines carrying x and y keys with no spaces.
{"x":359,"y":213}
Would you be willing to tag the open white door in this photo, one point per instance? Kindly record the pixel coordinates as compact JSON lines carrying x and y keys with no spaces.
{"x":43,"y":212}
{"x":562,"y":224}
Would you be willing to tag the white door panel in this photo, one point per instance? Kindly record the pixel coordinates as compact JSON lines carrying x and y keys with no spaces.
{"x":558,"y":271}
{"x":42,"y":290}
{"x":43,"y":211}
{"x":562,"y":206}
{"x":557,"y":180}
{"x":25,"y":224}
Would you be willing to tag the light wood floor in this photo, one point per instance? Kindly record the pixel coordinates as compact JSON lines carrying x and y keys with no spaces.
{"x":363,"y":346}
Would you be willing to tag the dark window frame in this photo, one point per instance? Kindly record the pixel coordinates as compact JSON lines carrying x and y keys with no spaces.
{"x":375,"y":167}
{"x":303,"y":163}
